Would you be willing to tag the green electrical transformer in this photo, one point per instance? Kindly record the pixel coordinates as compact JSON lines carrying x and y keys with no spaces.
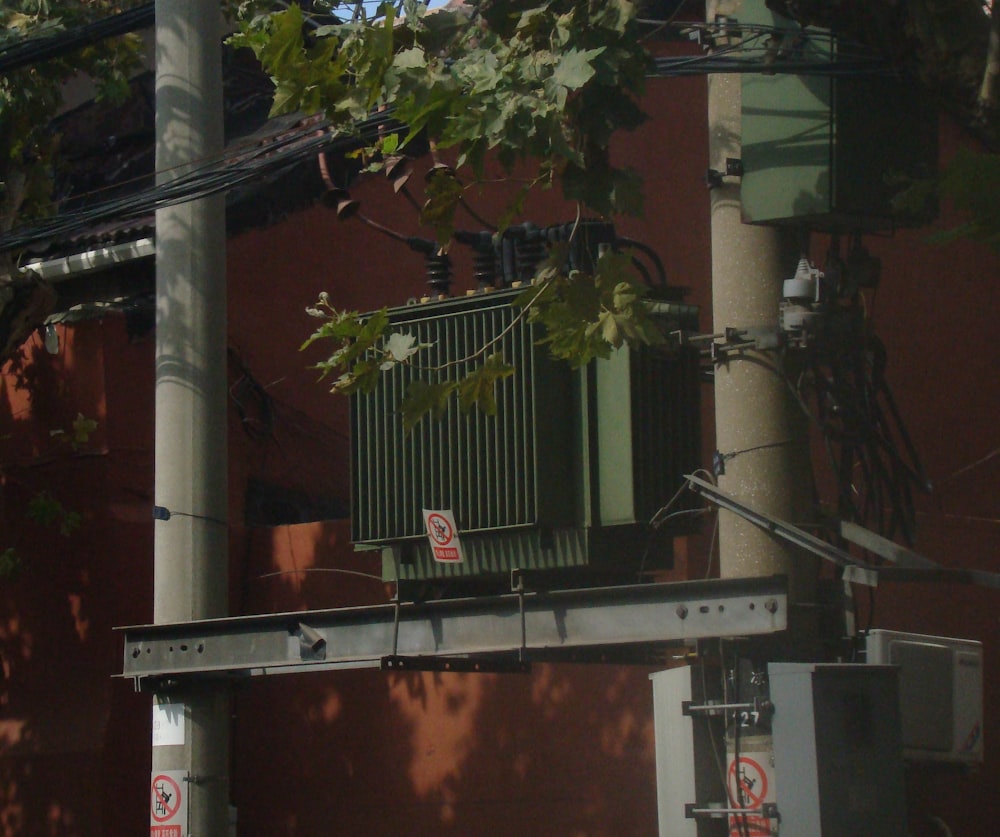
{"x":562,"y":482}
{"x":829,"y":150}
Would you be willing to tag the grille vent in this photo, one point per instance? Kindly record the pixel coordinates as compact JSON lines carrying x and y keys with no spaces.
{"x":666,"y":428}
{"x":567,"y":473}
{"x":494,"y":472}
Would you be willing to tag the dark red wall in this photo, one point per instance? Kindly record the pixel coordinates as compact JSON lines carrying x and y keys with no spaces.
{"x":566,"y":750}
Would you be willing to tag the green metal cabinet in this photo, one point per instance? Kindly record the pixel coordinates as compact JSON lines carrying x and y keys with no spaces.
{"x":830,"y":151}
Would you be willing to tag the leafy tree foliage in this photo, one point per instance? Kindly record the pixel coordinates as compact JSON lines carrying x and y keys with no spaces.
{"x":543,"y":82}
{"x":973,"y":183}
{"x":539,"y":84}
{"x":30,"y":97}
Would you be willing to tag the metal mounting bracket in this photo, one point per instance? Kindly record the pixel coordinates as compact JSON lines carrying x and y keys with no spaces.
{"x":551,"y":625}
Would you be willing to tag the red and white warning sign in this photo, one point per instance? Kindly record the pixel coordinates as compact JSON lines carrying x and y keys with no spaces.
{"x":168,"y":804}
{"x":442,"y":533}
{"x":751,"y":786}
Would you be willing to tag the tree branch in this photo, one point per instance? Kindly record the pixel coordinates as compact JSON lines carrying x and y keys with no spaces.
{"x":987,"y":102}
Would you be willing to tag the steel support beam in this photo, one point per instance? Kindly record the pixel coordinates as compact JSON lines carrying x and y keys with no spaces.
{"x":541,"y":623}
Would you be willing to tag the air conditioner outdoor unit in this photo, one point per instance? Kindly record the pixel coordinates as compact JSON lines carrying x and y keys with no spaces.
{"x":940,"y":693}
{"x":566,"y":475}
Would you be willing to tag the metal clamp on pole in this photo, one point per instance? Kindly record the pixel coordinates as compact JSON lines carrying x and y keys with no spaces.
{"x":768,"y":810}
{"x":759,"y":707}
{"x":517,"y":586}
{"x":312,"y":644}
{"x":396,"y":605}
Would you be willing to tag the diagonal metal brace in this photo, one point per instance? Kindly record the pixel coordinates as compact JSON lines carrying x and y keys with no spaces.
{"x":785,"y":531}
{"x":908,"y":565}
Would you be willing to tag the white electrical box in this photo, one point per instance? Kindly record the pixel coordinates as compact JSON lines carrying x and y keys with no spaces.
{"x":687,"y":757}
{"x":940,"y":693}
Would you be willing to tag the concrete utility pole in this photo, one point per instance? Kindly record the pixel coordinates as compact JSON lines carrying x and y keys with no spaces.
{"x":191,"y":724}
{"x":760,"y":430}
{"x":762,"y":439}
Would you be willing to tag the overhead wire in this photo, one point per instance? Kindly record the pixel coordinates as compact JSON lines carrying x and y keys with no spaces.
{"x":236,"y":166}
{"x":249,"y":162}
{"x":33,"y":49}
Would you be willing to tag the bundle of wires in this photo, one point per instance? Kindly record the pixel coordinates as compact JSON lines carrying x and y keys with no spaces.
{"x":770,"y":50}
{"x":247,"y":162}
{"x":876,"y":464}
{"x":25,"y":52}
{"x":760,"y":50}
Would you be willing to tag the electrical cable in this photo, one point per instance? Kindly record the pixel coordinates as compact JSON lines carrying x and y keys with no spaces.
{"x":723,"y":458}
{"x":251,"y":161}
{"x":320,"y":570}
{"x":858,"y":415}
{"x":225,"y":174}
{"x":742,"y":826}
{"x":650,"y":253}
{"x":34,"y":49}
{"x":711,"y":546}
{"x":672,"y":67}
{"x":711,"y":727}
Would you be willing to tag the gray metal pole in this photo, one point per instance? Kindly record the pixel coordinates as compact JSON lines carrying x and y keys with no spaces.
{"x":759,"y":428}
{"x":191,"y":535}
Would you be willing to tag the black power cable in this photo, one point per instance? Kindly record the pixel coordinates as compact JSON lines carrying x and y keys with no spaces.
{"x":235,"y":168}
{"x":248,"y":162}
{"x":32,"y":50}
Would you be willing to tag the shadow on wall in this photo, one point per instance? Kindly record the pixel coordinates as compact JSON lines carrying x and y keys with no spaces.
{"x":65,"y":725}
{"x":565,"y":750}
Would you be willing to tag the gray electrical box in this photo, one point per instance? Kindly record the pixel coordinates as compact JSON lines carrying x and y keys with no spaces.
{"x":838,"y":756}
{"x":825,"y":150}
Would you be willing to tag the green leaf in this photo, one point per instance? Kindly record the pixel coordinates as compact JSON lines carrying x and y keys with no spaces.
{"x":362,"y":377}
{"x":11,"y":565}
{"x":611,"y":329}
{"x":478,"y":388}
{"x":423,"y":398}
{"x":281,"y":51}
{"x":443,"y":194}
{"x":410,"y":59}
{"x":573,"y":69}
{"x":627,"y":197}
{"x":82,"y":428}
{"x":45,"y":510}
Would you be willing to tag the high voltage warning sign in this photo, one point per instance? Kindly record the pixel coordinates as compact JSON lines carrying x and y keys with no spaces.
{"x":168,"y":804}
{"x":750,"y":789}
{"x":443,"y":536}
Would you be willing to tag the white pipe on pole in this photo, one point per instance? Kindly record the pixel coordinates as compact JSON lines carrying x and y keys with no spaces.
{"x":90,"y":261}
